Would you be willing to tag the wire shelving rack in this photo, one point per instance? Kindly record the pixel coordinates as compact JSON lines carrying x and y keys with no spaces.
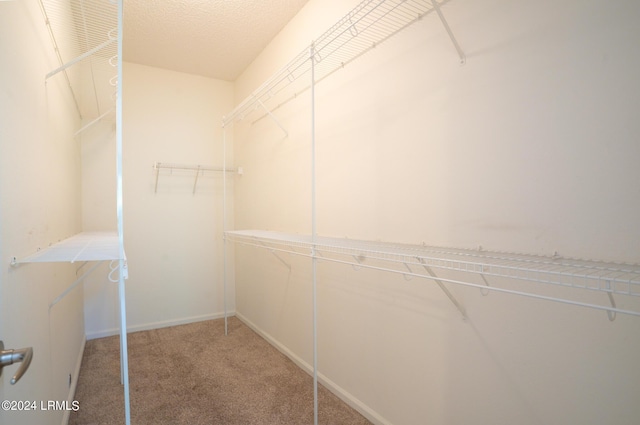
{"x":563,"y":280}
{"x":87,"y":40}
{"x":424,"y":261}
{"x":362,"y":29}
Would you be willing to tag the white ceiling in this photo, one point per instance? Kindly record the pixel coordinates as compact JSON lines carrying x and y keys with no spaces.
{"x":213,"y":38}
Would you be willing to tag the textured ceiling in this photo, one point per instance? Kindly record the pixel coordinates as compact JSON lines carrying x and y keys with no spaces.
{"x":213,"y":38}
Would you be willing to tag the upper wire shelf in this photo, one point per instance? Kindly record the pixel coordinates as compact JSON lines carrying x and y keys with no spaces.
{"x":366,"y":26}
{"x":422,"y":260}
{"x":84,"y":33}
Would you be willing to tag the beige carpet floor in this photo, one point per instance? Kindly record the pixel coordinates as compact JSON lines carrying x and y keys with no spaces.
{"x":193,"y":374}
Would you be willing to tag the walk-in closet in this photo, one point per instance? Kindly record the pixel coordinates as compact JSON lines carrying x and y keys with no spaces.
{"x":390,"y":212}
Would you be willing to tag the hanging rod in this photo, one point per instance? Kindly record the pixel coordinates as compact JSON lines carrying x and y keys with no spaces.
{"x":157,"y":166}
{"x":167,"y":166}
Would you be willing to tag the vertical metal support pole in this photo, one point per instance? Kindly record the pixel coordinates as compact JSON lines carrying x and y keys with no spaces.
{"x":314,"y":259}
{"x":124,"y":362}
{"x":224,"y":225}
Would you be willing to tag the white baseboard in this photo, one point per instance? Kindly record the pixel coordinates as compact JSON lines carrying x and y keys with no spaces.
{"x":158,"y":325}
{"x":74,"y":383}
{"x":341,"y":393}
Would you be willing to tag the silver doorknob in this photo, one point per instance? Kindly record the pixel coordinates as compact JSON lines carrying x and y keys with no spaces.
{"x":9,"y":357}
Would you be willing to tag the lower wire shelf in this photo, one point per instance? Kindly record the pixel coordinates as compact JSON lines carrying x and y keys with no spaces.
{"x":429,"y":262}
{"x":85,"y":246}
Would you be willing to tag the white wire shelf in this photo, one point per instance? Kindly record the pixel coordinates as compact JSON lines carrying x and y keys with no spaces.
{"x":86,"y":246}
{"x":365,"y":27}
{"x":422,"y":261}
{"x":84,"y":33}
{"x":196,"y":170}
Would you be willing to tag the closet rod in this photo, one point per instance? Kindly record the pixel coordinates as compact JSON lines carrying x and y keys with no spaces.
{"x":162,"y":165}
{"x":197,"y":168}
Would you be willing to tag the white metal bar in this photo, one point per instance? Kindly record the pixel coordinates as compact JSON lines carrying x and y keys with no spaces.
{"x":365,"y":27}
{"x":92,"y":122}
{"x":314,"y":259}
{"x":604,"y":276}
{"x":454,"y":281}
{"x":81,"y":250}
{"x":463,"y":59}
{"x":286,"y":133}
{"x":504,"y":290}
{"x":197,"y":168}
{"x":155,"y":190}
{"x":86,"y":246}
{"x":78,"y":59}
{"x":611,"y":314}
{"x":58,"y":55}
{"x":124,"y":358}
{"x":183,"y":167}
{"x":448,"y":293}
{"x":224,"y":226}
{"x":195,"y":183}
{"x":536,"y":268}
{"x":86,"y":37}
{"x":275,"y":254}
{"x":73,"y":285}
{"x":484,"y":279}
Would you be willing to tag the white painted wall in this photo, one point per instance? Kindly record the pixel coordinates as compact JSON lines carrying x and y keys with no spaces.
{"x":39,"y":205}
{"x":173,"y":238}
{"x":529,"y":147}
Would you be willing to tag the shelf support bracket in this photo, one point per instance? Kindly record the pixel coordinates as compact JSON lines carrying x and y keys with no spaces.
{"x":195,"y":183}
{"x":78,"y":59}
{"x":359,"y":259}
{"x":156,"y":166}
{"x":444,"y":289}
{"x":611,"y":313}
{"x":407,"y":277}
{"x":74,"y":284}
{"x":463,"y":58}
{"x":286,"y":133}
{"x":484,"y":292}
{"x":86,"y":126}
{"x":275,"y":254}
